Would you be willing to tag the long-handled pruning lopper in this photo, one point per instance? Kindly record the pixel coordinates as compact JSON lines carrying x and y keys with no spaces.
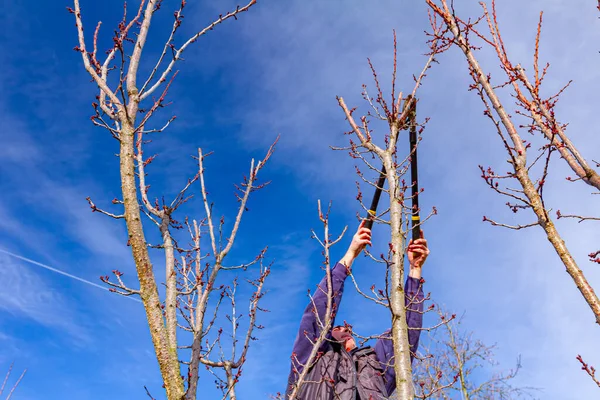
{"x":416,"y":232}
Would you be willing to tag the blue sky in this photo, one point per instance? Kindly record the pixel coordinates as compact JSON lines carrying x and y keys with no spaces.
{"x":277,"y":71}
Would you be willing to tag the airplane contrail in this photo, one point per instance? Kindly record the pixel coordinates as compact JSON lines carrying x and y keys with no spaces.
{"x":39,"y":264}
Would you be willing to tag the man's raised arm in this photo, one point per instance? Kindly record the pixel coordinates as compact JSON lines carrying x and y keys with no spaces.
{"x":310,"y":328}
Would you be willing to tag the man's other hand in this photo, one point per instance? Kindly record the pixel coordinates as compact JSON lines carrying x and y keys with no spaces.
{"x":417,"y":254}
{"x":361,"y":238}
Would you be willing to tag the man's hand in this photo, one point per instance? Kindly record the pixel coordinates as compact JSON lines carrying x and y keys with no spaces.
{"x":417,"y":254}
{"x":361,"y":238}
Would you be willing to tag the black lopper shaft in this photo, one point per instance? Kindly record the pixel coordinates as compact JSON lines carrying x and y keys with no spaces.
{"x":416,"y":231}
{"x":376,"y":196}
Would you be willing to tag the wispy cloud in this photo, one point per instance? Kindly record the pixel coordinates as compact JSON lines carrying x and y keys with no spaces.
{"x":37,"y":189}
{"x":289,"y":61}
{"x":24,"y":293}
{"x":511,"y":284}
{"x":57,"y":271}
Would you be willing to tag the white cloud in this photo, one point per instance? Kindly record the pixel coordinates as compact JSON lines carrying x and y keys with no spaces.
{"x":37,"y":193}
{"x":24,"y":293}
{"x":293,"y":59}
{"x":511,"y":284}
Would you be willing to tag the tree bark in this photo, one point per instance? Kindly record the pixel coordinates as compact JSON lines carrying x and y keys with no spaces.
{"x":559,"y":244}
{"x":171,"y":286}
{"x":167,"y":360}
{"x":402,"y":361}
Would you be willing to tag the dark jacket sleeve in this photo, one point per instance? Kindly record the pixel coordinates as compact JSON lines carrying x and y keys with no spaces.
{"x":384,"y":348}
{"x":309,"y":326}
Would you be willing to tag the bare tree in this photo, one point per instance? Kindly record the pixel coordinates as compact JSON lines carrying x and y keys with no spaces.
{"x":531,"y":173}
{"x":124,"y":107}
{"x":397,"y":115}
{"x":530,"y":167}
{"x":454,"y":363}
{"x":14,"y":386}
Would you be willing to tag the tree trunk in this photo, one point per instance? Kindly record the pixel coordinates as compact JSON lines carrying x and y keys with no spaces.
{"x":171,"y":289}
{"x":519,"y":165}
{"x":167,"y":360}
{"x":402,"y":363}
{"x":558,"y":243}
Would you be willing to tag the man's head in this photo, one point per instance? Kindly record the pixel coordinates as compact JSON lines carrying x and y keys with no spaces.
{"x":343,"y":334}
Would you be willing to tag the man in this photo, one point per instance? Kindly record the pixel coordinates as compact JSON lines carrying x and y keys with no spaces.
{"x":342,"y":370}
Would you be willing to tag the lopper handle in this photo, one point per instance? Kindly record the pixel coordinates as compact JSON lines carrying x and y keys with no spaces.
{"x":375,"y":202}
{"x":416,"y":219}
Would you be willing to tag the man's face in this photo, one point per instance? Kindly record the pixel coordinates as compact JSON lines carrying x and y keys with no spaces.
{"x":343,"y":334}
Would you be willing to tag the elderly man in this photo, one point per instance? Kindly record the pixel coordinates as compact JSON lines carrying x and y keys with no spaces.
{"x":342,"y":370}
